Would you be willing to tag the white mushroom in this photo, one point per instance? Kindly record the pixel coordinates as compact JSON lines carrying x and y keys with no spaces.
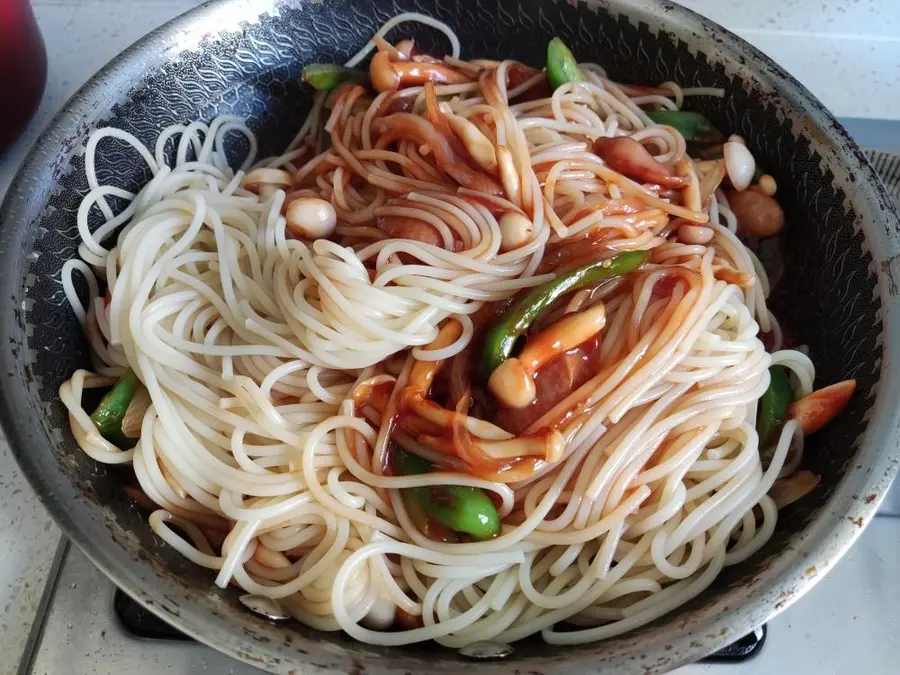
{"x":515,"y":230}
{"x":739,"y":164}
{"x":311,"y":218}
{"x":691,"y":193}
{"x":380,"y":616}
{"x":478,"y":145}
{"x":508,"y":174}
{"x":264,"y":181}
{"x":512,"y":382}
{"x":546,"y":444}
{"x":695,"y":234}
{"x":767,"y":185}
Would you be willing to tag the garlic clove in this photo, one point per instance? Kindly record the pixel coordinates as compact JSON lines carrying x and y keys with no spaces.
{"x":695,"y":234}
{"x":515,"y":230}
{"x":381,"y":615}
{"x":478,"y":145}
{"x":311,"y":218}
{"x":739,"y":164}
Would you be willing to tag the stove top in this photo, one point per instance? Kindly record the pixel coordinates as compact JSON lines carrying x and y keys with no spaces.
{"x":848,"y":623}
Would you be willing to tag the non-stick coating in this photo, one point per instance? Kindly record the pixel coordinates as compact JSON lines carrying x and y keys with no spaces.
{"x":243,"y":57}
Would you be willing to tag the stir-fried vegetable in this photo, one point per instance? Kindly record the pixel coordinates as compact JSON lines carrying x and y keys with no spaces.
{"x":774,"y":404}
{"x":326,"y":76}
{"x":387,"y":74}
{"x":711,"y":174}
{"x":821,"y":406}
{"x":501,"y":338}
{"x":704,"y":151}
{"x":512,"y":382}
{"x":692,"y":125}
{"x":110,"y":413}
{"x":410,"y":464}
{"x":461,"y":508}
{"x":787,"y":490}
{"x":561,"y":64}
{"x":628,"y":157}
{"x":757,"y":215}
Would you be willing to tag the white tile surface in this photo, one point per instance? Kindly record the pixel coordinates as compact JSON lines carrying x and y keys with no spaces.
{"x":847,"y":52}
{"x":81,"y":36}
{"x":849,"y":623}
{"x":847,"y":18}
{"x":28,"y":539}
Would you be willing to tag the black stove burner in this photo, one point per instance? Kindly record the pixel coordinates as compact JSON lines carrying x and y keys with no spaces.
{"x":141,"y":623}
{"x":745,"y":648}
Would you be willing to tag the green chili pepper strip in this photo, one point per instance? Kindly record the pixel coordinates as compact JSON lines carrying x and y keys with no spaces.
{"x":464,"y":509}
{"x":326,"y":76}
{"x":692,"y":125}
{"x":774,"y":404}
{"x":461,"y":508}
{"x":410,"y":464}
{"x":109,"y":414}
{"x":561,"y":64}
{"x":501,"y":338}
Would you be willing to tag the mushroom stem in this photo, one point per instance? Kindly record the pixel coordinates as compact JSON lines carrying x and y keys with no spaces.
{"x":512,"y":382}
{"x":388,"y":75}
{"x":546,"y":444}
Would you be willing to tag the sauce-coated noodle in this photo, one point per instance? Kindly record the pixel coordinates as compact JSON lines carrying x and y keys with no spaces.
{"x":254,"y":347}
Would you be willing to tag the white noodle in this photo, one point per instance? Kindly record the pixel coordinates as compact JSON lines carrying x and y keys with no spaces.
{"x":253,"y":344}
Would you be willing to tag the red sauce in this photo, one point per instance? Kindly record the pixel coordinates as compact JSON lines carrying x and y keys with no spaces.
{"x":403,"y":620}
{"x":553,"y":383}
{"x":139,"y":497}
{"x":573,"y":255}
{"x":438,"y":532}
{"x":664,"y":287}
{"x":517,"y":74}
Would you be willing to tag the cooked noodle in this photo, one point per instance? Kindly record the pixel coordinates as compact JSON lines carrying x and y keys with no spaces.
{"x":265,"y":457}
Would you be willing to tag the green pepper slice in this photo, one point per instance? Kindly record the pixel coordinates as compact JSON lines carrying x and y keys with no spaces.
{"x":458,"y":507}
{"x":410,"y":464}
{"x":692,"y":125}
{"x":774,"y":404}
{"x":501,"y":337}
{"x":326,"y":76}
{"x":109,"y":414}
{"x":561,"y":64}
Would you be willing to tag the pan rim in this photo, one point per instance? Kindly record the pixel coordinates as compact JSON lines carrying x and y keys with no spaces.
{"x":826,"y":539}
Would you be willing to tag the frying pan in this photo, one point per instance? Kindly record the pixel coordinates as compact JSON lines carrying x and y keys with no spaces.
{"x":838,"y":295}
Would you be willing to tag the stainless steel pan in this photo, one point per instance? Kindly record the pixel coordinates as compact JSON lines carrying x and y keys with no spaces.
{"x":243,"y":56}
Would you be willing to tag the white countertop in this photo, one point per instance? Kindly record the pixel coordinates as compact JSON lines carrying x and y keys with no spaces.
{"x":847,"y":52}
{"x":80,"y":36}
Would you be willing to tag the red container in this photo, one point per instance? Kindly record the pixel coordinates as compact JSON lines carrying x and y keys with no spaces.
{"x":23,"y":69}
